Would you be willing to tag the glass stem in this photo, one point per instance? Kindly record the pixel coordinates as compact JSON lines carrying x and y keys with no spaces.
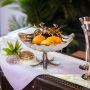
{"x":86,"y":46}
{"x":89,"y":62}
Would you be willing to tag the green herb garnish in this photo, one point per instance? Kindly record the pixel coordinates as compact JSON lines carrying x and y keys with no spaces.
{"x":13,"y":49}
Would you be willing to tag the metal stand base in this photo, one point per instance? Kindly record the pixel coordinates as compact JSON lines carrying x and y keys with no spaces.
{"x":86,"y":76}
{"x":45,"y":61}
{"x":84,"y":67}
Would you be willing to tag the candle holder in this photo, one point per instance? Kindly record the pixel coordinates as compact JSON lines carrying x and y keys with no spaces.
{"x":85,"y":24}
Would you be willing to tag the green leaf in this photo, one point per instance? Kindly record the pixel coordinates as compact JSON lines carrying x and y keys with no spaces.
{"x":17,"y":45}
{"x":19,"y":49}
{"x":8,"y":51}
{"x":10,"y":45}
{"x":13,"y":49}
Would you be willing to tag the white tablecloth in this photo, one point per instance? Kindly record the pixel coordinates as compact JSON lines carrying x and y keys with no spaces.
{"x":20,"y":75}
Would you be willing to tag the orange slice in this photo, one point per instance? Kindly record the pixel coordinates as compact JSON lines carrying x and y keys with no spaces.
{"x":46,"y":42}
{"x":38,"y":39}
{"x":54,"y":39}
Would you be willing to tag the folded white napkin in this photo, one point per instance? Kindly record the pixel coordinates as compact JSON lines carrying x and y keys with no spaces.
{"x":17,"y":75}
{"x":20,"y":76}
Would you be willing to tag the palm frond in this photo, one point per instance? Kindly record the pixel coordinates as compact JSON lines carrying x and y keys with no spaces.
{"x":14,"y":24}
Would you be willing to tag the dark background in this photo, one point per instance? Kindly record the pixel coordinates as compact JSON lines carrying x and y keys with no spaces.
{"x":65,"y":13}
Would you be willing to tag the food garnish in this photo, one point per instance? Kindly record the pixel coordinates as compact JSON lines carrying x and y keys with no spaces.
{"x":13,"y":49}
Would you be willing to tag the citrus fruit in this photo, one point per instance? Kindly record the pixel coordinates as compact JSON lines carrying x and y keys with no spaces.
{"x":46,"y":42}
{"x":54,"y":39}
{"x":38,"y":39}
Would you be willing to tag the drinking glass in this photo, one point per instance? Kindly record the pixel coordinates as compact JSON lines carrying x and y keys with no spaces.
{"x":85,"y":24}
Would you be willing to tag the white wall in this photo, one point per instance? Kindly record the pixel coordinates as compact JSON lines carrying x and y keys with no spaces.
{"x":5,"y":14}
